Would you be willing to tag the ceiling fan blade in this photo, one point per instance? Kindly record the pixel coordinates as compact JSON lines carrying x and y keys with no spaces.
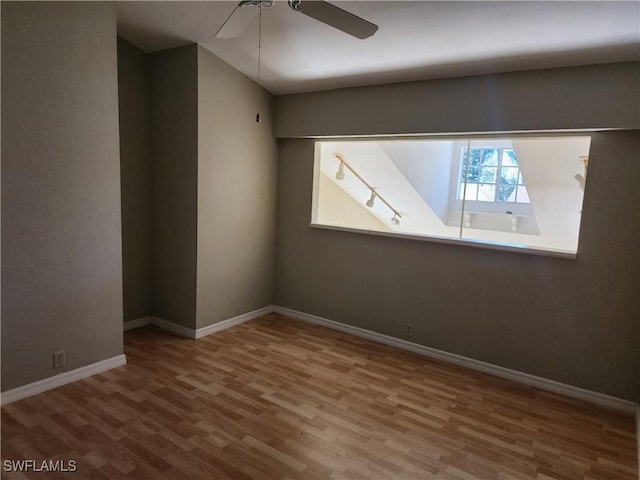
{"x":336,"y":17}
{"x":238,"y":21}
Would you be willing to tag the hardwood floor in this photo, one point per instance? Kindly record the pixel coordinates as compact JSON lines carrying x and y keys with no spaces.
{"x":278,"y":399}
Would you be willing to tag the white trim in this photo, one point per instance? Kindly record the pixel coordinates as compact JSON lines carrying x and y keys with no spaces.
{"x":61,"y":379}
{"x":138,"y":322}
{"x":520,"y":377}
{"x":204,"y":331}
{"x":465,"y":242}
{"x":478,"y":135}
{"x":173,"y":327}
{"x":230,"y":322}
{"x":98,"y":367}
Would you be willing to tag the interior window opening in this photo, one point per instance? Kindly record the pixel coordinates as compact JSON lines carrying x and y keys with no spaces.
{"x":520,"y":193}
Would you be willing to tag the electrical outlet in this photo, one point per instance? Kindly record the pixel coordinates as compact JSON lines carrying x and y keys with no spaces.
{"x":59,"y":359}
{"x":408,"y":330}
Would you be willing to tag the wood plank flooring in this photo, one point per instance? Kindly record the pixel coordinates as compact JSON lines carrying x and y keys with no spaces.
{"x":278,"y":399}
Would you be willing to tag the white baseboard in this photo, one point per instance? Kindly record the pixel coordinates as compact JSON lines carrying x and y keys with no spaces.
{"x":230,"y":322}
{"x":173,"y":328}
{"x":516,"y":376}
{"x":138,"y":322}
{"x":200,"y":332}
{"x":98,"y":367}
{"x":61,"y":379}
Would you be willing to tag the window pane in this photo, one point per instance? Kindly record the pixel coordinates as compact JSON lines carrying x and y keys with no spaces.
{"x":471,"y":193}
{"x":509,"y":175}
{"x":509,"y":158}
{"x":488,"y":174}
{"x":487,"y":193}
{"x":472,"y":171}
{"x":523,"y":195}
{"x":474,"y":157}
{"x":520,"y":179}
{"x":506,"y":193}
{"x":490,"y":157}
{"x":470,"y":165}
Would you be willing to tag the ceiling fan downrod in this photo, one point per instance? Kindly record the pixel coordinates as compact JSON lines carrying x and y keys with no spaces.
{"x":259,"y":61}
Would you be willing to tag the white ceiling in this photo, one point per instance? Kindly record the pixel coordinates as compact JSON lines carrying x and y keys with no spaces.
{"x":416,"y":40}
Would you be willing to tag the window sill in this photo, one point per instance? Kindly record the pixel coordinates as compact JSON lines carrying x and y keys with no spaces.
{"x":515,"y":219}
{"x":455,"y":241}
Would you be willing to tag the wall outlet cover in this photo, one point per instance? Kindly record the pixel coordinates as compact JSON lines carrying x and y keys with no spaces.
{"x":59,"y":359}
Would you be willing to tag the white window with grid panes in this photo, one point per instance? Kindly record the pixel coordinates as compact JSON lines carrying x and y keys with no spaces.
{"x":491,"y":174}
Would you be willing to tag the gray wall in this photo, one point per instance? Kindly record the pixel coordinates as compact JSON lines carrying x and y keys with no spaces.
{"x":595,"y":96}
{"x":135,"y":172}
{"x":237,"y":170}
{"x":174,"y":157}
{"x":574,"y":321}
{"x":61,"y":229}
{"x":212,"y":172}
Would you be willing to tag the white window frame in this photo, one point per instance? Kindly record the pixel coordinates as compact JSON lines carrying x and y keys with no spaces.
{"x":477,"y":206}
{"x":498,"y":177}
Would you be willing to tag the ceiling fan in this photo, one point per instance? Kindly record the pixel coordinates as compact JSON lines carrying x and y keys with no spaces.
{"x":320,"y":10}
